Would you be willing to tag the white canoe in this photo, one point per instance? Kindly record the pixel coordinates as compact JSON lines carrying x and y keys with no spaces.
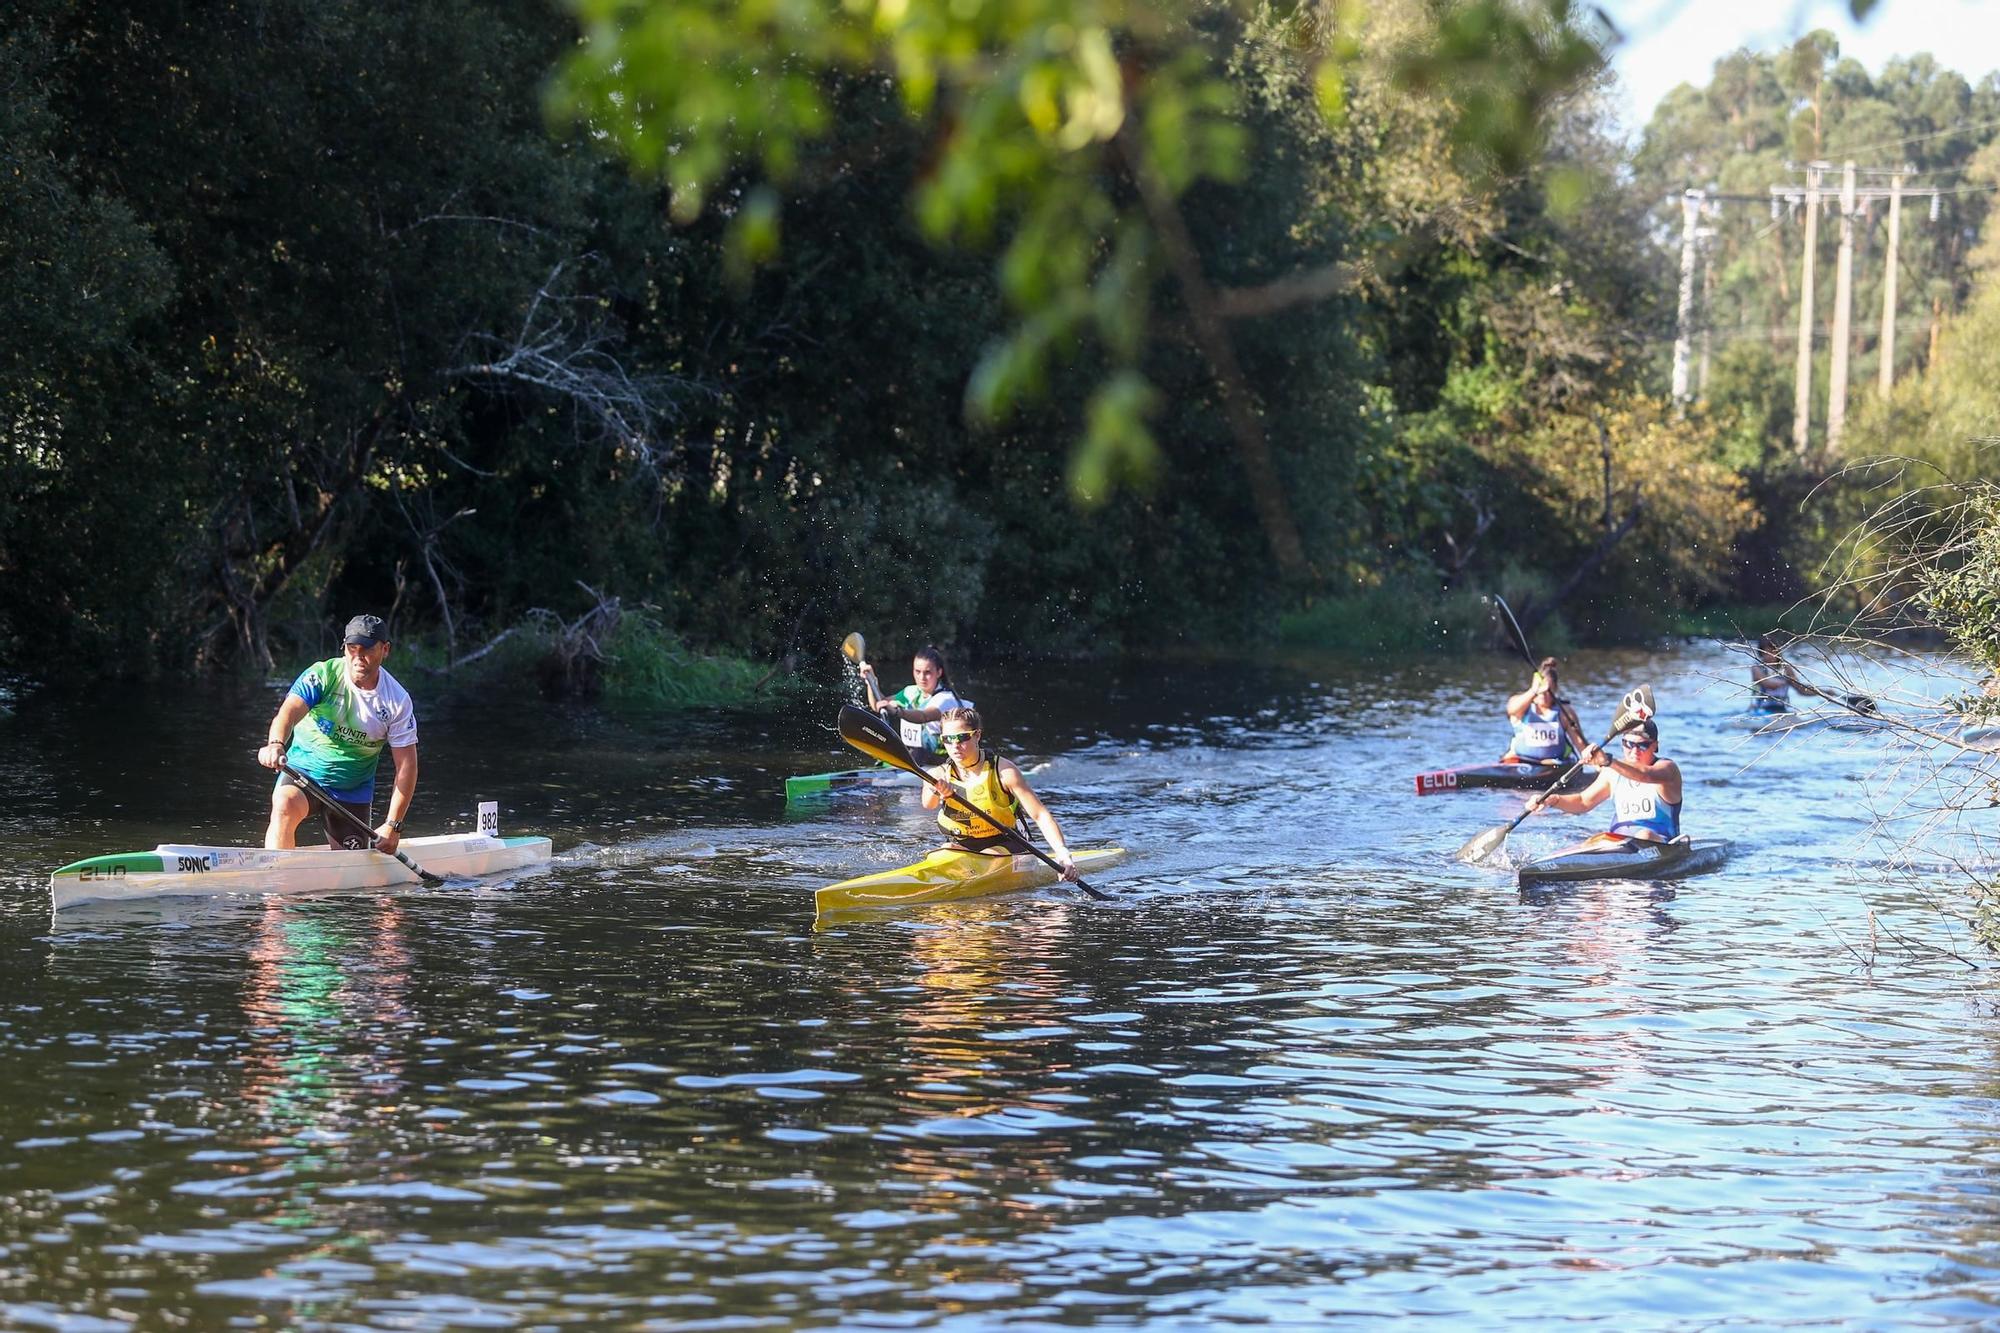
{"x":186,"y":869}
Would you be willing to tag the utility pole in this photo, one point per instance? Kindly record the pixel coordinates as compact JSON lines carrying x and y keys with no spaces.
{"x":1853,"y":196}
{"x":1691,"y":202}
{"x":1708,"y":317}
{"x":1885,"y":346}
{"x":1802,"y":385}
{"x":1843,"y":308}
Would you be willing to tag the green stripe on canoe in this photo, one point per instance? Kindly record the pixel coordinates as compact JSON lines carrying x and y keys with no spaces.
{"x":809,"y":784}
{"x":818,"y":784}
{"x":121,"y":863}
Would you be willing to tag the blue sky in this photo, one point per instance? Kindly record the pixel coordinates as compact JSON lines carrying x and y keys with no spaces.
{"x":1669,"y":42}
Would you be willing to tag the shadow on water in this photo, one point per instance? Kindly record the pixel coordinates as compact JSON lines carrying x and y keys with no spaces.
{"x":1304,"y":1068}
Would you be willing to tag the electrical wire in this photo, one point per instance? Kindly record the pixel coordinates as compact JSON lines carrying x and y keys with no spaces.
{"x":1849,"y":151}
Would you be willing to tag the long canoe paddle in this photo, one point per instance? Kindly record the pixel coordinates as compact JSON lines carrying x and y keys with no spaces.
{"x":324,"y":797}
{"x":1634,"y":708}
{"x":871,"y":735}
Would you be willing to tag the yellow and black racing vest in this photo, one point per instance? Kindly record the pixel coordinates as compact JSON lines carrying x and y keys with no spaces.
{"x":983,"y":793}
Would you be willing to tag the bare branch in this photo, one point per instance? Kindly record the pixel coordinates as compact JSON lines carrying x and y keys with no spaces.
{"x":1298,"y":289}
{"x":566,"y":346}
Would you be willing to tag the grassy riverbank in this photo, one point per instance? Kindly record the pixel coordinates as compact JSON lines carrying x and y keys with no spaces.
{"x":628,"y":659}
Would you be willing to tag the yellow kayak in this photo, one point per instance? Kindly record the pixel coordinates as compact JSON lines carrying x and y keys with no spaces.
{"x":947,"y":875}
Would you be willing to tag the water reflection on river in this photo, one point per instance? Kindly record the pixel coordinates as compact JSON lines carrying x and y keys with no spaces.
{"x":1303,"y":1069}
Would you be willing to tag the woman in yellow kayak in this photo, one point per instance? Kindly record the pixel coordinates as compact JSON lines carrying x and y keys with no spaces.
{"x":994,"y":787}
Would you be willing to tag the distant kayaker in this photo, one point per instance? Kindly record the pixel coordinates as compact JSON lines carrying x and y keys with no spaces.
{"x":917,"y":708}
{"x":993,"y":786}
{"x":332,"y":727}
{"x":1644,"y":788}
{"x":1545,"y":726}
{"x":1771,"y":681}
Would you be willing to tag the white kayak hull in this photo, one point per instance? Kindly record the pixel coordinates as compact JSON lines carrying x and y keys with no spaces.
{"x":1626,"y":859}
{"x":180,"y":869}
{"x":1780,"y":724}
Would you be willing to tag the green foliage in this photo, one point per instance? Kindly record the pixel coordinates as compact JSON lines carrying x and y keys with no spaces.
{"x":1066,"y":130}
{"x":1399,"y":614}
{"x":373,"y":337}
{"x":1960,"y":585}
{"x":648,"y":666}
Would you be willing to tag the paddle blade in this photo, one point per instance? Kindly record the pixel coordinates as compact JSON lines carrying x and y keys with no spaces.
{"x":875,"y":738}
{"x":854,"y":648}
{"x":1485,"y":844}
{"x":1637,"y":705}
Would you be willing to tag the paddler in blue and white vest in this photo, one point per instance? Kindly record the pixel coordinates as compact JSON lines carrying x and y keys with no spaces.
{"x":1545,"y":727}
{"x":992,"y":786}
{"x":917,"y":708}
{"x":1771,"y":681}
{"x":1645,"y":790}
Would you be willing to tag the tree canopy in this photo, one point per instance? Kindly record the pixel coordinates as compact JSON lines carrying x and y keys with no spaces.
{"x":1066,"y":326}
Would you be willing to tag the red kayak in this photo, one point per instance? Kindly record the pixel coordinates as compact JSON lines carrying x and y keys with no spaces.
{"x":1521,"y":775}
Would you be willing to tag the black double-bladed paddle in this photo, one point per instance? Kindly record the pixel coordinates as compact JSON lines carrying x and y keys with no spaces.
{"x":873,"y":737}
{"x":1634,"y":708}
{"x":318,"y":793}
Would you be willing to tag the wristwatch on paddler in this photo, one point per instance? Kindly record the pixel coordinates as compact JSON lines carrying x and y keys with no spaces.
{"x":396,"y":825}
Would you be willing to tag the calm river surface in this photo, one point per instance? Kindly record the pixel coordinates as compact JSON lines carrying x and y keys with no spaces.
{"x":1304,"y":1070}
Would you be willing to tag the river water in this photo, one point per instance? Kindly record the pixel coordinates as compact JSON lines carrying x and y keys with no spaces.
{"x":1304,"y":1070}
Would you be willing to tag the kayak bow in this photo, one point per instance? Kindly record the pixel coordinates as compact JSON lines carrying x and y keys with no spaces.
{"x":809,"y":785}
{"x":946,"y":876}
{"x":1523,"y":775}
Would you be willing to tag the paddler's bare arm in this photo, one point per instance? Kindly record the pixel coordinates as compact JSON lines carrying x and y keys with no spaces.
{"x":290,"y":713}
{"x":400,"y":796}
{"x":869,"y":683}
{"x":1579,"y":803}
{"x":1017,"y":786}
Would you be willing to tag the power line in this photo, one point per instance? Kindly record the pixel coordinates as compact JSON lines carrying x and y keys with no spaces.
{"x":1856,"y":149}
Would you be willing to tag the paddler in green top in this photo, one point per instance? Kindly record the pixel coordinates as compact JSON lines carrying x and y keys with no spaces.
{"x":332,"y":727}
{"x":917,"y":708}
{"x":993,"y":786}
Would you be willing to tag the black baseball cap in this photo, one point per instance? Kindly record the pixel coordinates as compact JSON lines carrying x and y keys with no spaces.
{"x":366,"y":631}
{"x":1647,"y":728}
